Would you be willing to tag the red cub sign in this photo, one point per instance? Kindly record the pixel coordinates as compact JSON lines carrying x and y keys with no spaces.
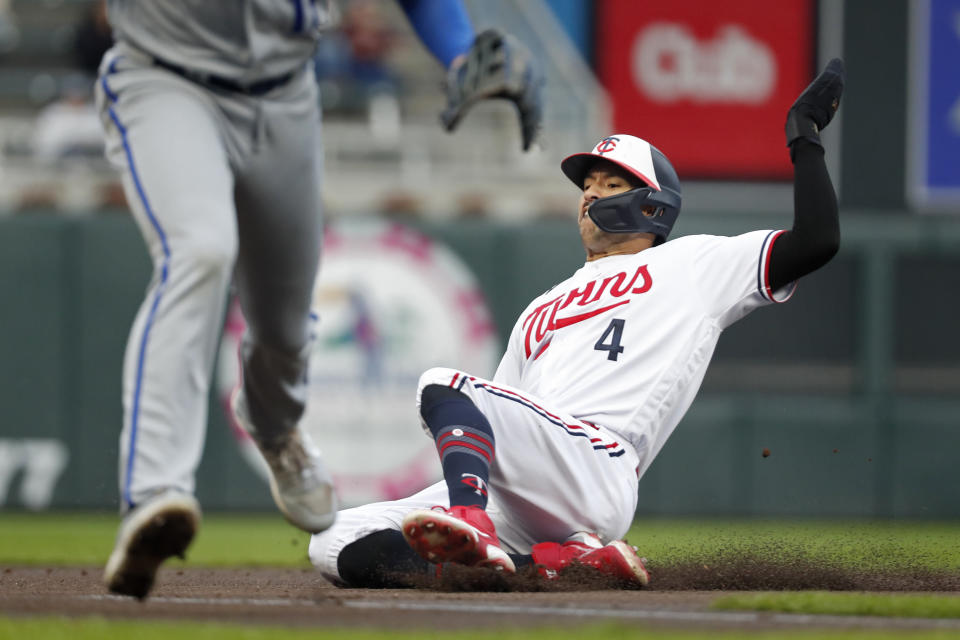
{"x":706,"y":82}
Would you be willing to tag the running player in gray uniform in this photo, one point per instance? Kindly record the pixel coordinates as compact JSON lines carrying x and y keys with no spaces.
{"x":210,"y":112}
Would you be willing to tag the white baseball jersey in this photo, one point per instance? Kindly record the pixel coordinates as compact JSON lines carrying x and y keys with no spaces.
{"x":626,"y":340}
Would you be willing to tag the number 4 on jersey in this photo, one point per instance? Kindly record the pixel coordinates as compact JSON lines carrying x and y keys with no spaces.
{"x":614,"y":332}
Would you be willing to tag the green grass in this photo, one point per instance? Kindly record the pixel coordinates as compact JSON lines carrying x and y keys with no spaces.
{"x":100,"y":629}
{"x":845,"y":604}
{"x":872,"y":545}
{"x":86,"y":539}
{"x":267,"y":540}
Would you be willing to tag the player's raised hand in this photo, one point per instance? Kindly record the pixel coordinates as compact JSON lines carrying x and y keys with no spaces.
{"x":816,"y":106}
{"x":496,"y":66}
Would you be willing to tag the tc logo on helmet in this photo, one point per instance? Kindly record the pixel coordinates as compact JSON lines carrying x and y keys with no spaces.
{"x":607,"y":145}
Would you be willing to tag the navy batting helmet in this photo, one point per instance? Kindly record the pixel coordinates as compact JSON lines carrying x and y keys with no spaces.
{"x":623,"y":213}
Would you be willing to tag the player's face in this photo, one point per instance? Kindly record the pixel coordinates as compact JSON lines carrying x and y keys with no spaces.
{"x":605,"y":179}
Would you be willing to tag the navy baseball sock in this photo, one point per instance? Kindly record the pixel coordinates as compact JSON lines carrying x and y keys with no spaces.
{"x":464,"y":441}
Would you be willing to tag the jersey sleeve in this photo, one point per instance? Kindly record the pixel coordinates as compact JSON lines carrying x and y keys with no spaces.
{"x":732,"y":274}
{"x":443,"y":26}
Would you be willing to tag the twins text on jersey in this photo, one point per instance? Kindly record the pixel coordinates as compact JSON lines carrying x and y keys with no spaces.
{"x":564,"y":310}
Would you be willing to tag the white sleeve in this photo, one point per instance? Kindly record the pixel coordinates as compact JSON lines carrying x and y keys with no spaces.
{"x":732,"y":274}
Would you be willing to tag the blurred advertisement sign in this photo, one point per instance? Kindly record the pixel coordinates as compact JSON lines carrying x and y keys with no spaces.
{"x":39,"y":463}
{"x":934,"y":147}
{"x":708,"y":83}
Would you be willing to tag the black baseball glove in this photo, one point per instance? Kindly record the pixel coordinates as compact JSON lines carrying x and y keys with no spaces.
{"x":496,"y":66}
{"x":815,"y":107}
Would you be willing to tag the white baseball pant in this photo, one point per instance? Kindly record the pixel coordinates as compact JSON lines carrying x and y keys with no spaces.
{"x":552,"y":475}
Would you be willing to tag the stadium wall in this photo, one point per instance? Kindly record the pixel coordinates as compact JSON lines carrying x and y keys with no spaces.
{"x":853,"y":386}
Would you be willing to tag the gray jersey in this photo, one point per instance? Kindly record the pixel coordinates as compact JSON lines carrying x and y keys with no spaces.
{"x":243,"y":40}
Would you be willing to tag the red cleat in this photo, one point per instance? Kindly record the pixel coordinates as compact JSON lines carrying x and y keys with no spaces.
{"x":464,"y":535}
{"x":617,"y":559}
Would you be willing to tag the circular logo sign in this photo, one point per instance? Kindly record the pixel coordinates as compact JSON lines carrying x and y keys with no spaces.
{"x":389,"y":303}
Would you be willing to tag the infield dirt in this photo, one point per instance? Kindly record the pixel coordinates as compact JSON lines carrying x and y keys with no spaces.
{"x":679,"y":596}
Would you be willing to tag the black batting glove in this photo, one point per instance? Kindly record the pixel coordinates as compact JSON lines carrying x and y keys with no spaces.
{"x":816,"y":106}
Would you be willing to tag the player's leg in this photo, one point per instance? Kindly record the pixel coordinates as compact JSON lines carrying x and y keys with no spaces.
{"x":554,"y":481}
{"x":465,"y":442}
{"x":361,"y":550}
{"x":280,"y":228}
{"x":365,"y":548}
{"x":551,"y":475}
{"x":162,"y":134}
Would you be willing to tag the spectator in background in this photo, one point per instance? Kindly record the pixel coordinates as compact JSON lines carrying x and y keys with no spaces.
{"x":401,"y":206}
{"x":473,"y":205}
{"x":67,"y":131}
{"x":69,"y":126}
{"x":351,"y":62}
{"x":91,"y":39}
{"x":9,"y":33}
{"x":66,"y":143}
{"x":371,"y":39}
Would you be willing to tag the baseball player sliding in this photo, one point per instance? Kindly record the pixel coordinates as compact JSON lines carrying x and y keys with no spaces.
{"x":541,"y":463}
{"x":210,"y":112}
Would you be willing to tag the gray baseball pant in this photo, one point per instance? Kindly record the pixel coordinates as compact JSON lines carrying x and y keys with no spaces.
{"x":222,"y":185}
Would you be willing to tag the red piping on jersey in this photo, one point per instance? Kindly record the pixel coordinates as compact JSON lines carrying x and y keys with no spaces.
{"x":514,"y":393}
{"x":572,"y":429}
{"x":766,"y":266}
{"x":454,"y":381}
{"x":534,"y":404}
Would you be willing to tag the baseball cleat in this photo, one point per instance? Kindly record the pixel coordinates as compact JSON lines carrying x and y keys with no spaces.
{"x":464,"y":535}
{"x":617,"y":559}
{"x":299,"y":482}
{"x":620,"y":560}
{"x":155,"y":530}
